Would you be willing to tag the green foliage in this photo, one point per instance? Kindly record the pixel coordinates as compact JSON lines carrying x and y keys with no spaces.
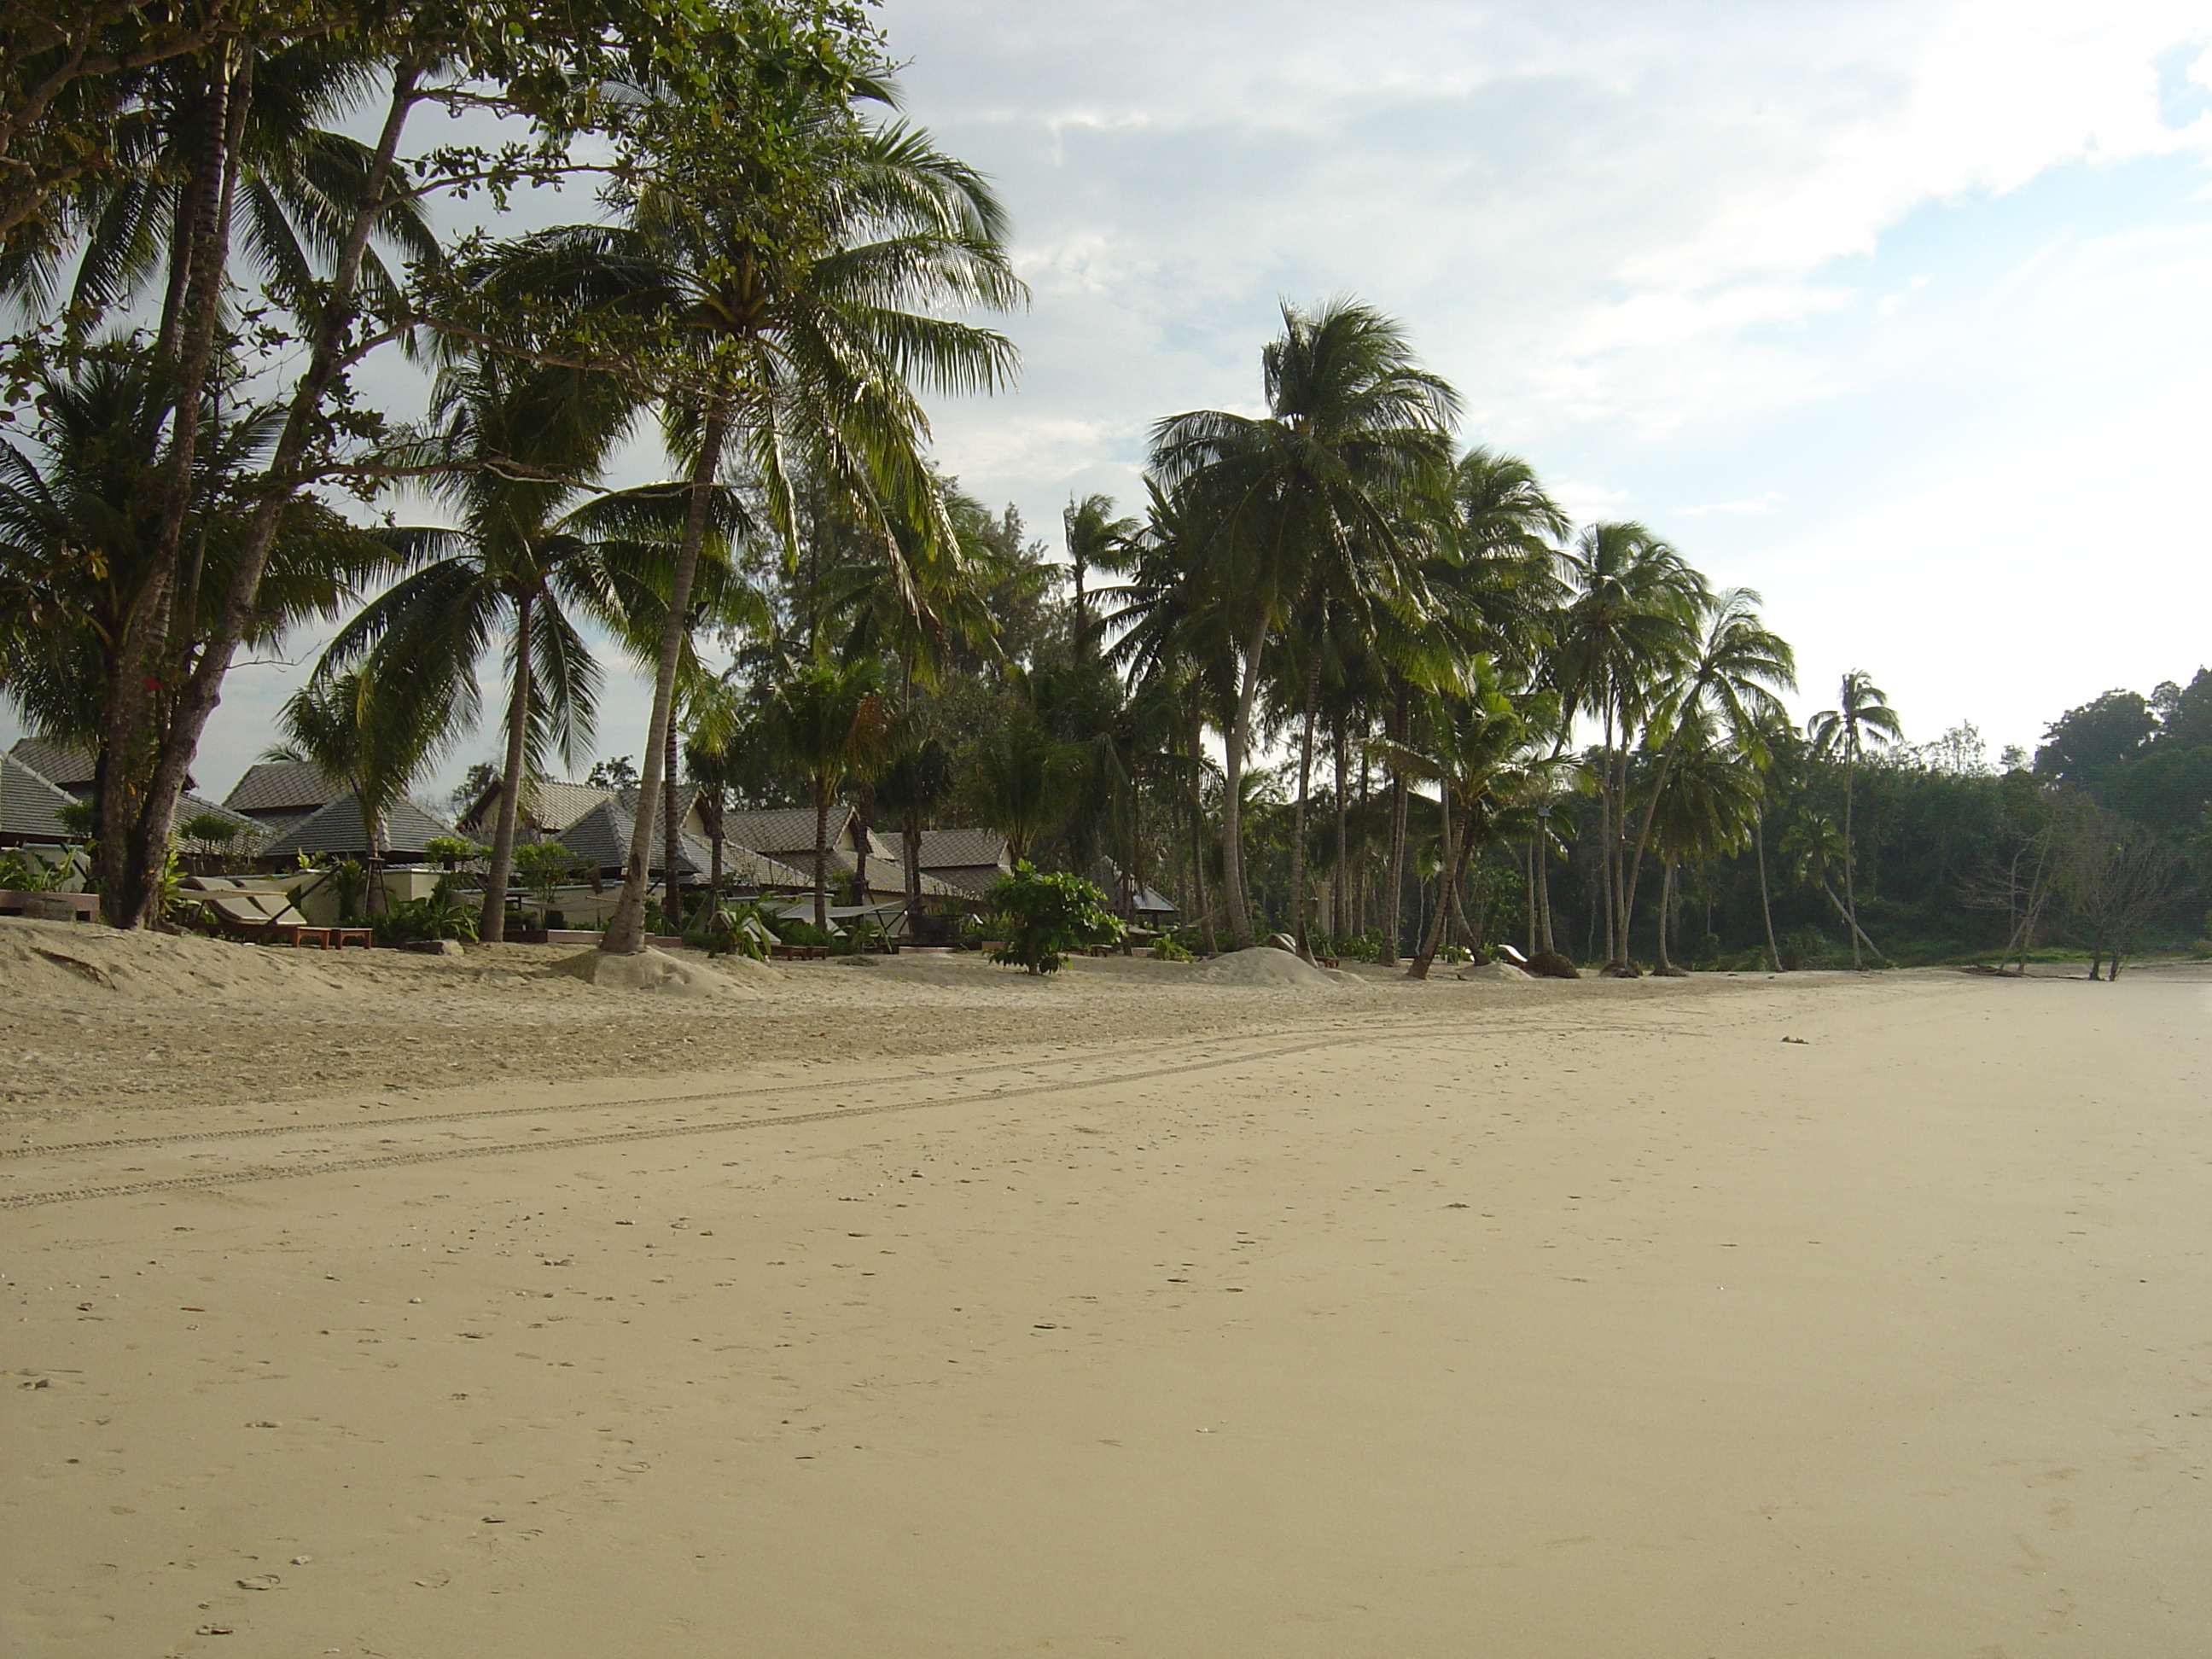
{"x":545,"y":865}
{"x":21,"y":872}
{"x":1168,"y":947}
{"x":1043,"y":917}
{"x":460,"y":849}
{"x":430,"y":917}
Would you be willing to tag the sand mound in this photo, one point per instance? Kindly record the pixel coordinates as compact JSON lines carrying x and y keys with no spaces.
{"x":1494,"y":970}
{"x":1267,"y":968}
{"x":73,"y":960}
{"x":650,"y":970}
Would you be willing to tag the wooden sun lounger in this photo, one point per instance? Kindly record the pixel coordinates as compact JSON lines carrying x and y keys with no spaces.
{"x":250,"y":916}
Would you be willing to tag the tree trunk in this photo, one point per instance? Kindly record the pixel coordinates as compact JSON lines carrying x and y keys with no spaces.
{"x":491,"y":923}
{"x":1202,"y":911}
{"x":672,"y":834}
{"x":714,"y":853}
{"x":821,"y":854}
{"x":1859,"y":933}
{"x":1339,"y":903}
{"x":140,"y":883}
{"x":1765,"y":901}
{"x":1393,"y":899}
{"x":626,"y":930}
{"x":1234,"y":744}
{"x":1299,"y":814}
{"x":1851,"y":893}
{"x":136,"y":674}
{"x":910,"y":848}
{"x":1665,"y":904}
{"x":1450,"y":866}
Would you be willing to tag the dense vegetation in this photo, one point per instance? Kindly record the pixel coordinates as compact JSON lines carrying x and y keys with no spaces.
{"x":1339,"y":674}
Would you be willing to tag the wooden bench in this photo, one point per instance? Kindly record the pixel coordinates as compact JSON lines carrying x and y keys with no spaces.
{"x":50,"y":907}
{"x":1325,"y":962}
{"x":341,"y":937}
{"x":783,"y":952}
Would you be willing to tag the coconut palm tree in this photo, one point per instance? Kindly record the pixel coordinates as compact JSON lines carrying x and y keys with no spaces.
{"x":358,"y":732}
{"x":1485,"y":747}
{"x":829,"y":721}
{"x":1312,"y":514}
{"x":1731,"y":685}
{"x":1706,"y":812}
{"x":1096,"y":540}
{"x":788,"y":327}
{"x":1624,"y":635}
{"x":533,"y":555}
{"x":1861,"y":719}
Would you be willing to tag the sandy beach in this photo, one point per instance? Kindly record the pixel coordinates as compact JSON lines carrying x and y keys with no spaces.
{"x":442,"y":1308}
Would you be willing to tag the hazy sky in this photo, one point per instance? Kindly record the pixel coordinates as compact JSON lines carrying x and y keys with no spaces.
{"x":1896,"y":311}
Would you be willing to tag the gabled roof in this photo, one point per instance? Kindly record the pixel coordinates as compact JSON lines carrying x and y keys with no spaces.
{"x":31,"y":805}
{"x":66,"y":765}
{"x":600,"y":839}
{"x":551,"y":804}
{"x":1144,"y":901}
{"x":785,"y":831}
{"x":280,"y":786}
{"x":964,"y":849}
{"x":336,"y":828}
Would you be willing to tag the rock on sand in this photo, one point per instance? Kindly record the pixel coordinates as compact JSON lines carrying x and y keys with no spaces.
{"x":1267,"y":968}
{"x":1497,"y":970}
{"x":650,"y":970}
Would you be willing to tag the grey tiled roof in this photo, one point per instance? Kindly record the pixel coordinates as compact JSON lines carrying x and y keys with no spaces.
{"x":963,"y":849}
{"x":1146,"y":901}
{"x":551,"y":805}
{"x":280,"y":786}
{"x":30,"y":805}
{"x":601,"y":839}
{"x":785,"y":831}
{"x":66,"y":765}
{"x":337,"y":828}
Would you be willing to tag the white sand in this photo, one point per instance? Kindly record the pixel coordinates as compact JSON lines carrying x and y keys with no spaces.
{"x":929,"y":1309}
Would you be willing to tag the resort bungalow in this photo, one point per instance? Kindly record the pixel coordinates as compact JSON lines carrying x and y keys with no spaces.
{"x":787,"y":835}
{"x":69,"y":769}
{"x":547,"y":806}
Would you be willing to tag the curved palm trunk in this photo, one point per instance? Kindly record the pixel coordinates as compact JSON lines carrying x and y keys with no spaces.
{"x":671,"y":833}
{"x":1765,"y":902}
{"x":491,"y":924}
{"x":1234,"y":744}
{"x":1643,"y":831}
{"x":1298,"y":906}
{"x":1451,"y":867}
{"x":1666,"y":907}
{"x":1201,"y":910}
{"x":910,"y":851}
{"x":626,"y":929}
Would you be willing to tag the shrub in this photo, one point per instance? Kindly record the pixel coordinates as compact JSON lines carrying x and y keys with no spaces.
{"x":1169,"y":948}
{"x":433,"y":917}
{"x":1042,"y":917}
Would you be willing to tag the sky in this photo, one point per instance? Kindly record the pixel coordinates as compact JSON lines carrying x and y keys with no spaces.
{"x":1897,"y":312}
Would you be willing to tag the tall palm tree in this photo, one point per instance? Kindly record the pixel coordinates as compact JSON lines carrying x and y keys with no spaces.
{"x":1096,"y":540}
{"x":1739,"y":667}
{"x":531,"y":556}
{"x":1623,"y":635}
{"x":830,"y":722}
{"x":1861,"y":719}
{"x":1484,"y":746}
{"x":1312,"y":512}
{"x":361,"y":733}
{"x":790,"y":327}
{"x":1706,"y":812}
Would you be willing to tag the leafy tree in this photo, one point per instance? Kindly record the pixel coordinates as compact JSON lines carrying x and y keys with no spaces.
{"x":1047,"y":916}
{"x":2085,"y":745}
{"x":620,"y":773}
{"x":830,"y":722}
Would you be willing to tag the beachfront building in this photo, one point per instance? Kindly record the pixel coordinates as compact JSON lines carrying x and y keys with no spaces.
{"x":41,"y":776}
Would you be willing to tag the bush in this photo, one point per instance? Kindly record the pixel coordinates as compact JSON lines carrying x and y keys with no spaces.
{"x":1169,"y":948}
{"x":434,"y":917}
{"x":1043,"y":917}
